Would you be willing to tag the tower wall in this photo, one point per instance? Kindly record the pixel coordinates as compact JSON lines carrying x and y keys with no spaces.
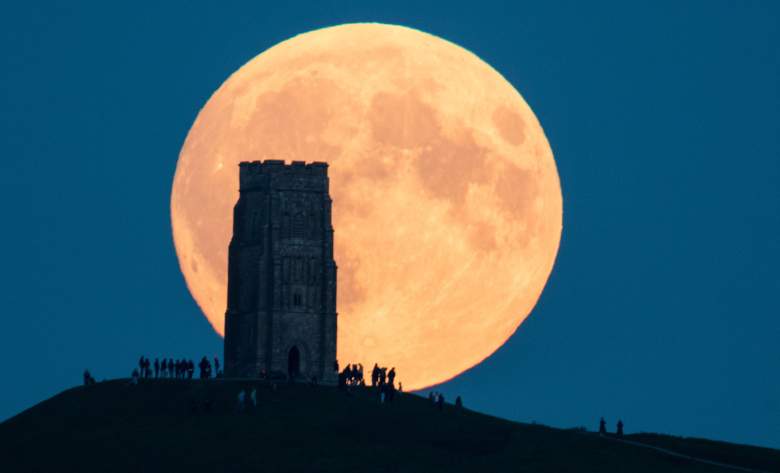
{"x":281,"y":273}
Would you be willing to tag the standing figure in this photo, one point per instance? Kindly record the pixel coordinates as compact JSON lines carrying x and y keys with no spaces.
{"x":156,"y":367}
{"x":205,"y":368}
{"x":620,"y":428}
{"x":602,"y":427}
{"x":241,"y":399}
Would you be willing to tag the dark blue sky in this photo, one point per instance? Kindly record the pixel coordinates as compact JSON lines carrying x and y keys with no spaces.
{"x":664,"y":117}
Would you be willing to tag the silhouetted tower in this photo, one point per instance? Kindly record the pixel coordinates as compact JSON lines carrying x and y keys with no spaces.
{"x":281,"y":308}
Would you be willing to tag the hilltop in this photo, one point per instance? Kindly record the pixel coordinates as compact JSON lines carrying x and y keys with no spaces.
{"x":161,"y":425}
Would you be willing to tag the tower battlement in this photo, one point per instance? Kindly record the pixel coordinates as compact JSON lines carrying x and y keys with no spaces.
{"x":277,"y":174}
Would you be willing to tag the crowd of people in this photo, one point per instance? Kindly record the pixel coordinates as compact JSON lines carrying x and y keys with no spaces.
{"x":351,"y":376}
{"x":382,"y":380}
{"x":168,"y":368}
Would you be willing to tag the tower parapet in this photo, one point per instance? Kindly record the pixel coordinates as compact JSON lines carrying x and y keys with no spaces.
{"x":275,"y":173}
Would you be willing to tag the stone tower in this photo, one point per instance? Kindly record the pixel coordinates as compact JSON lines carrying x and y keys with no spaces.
{"x":281,"y":307}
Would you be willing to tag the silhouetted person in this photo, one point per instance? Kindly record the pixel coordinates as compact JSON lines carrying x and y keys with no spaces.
{"x":88,"y":379}
{"x":382,"y":376}
{"x":141,"y":366}
{"x":241,"y":400}
{"x":171,"y":366}
{"x":458,"y":403}
{"x":190,"y":369}
{"x":134,"y":377}
{"x":620,"y":428}
{"x":156,"y":367}
{"x":164,"y":368}
{"x":440,"y":401}
{"x":216,"y":365}
{"x":390,"y":392}
{"x":602,"y":426}
{"x":400,"y":387}
{"x":342,"y":381}
{"x":391,"y":376}
{"x":375,"y":375}
{"x":205,"y":367}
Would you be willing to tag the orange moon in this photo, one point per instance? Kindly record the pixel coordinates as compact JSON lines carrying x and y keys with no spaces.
{"x":447,"y":204}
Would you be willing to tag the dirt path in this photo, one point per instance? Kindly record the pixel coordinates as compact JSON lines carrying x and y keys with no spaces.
{"x":687,"y":457}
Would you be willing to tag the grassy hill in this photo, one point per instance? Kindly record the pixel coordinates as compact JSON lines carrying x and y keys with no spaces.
{"x":161,"y":425}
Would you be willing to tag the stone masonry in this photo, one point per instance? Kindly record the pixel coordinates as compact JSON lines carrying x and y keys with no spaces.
{"x":281,"y":307}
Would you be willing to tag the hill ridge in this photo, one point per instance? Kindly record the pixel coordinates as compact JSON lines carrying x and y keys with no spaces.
{"x":193,"y":425}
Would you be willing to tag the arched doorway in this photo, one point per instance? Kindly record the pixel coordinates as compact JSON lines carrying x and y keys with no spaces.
{"x":294,"y":363}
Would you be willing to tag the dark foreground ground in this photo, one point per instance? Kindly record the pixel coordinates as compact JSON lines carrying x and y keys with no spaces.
{"x":115,"y":427}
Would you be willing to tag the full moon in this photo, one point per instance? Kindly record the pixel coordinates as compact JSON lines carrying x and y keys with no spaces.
{"x":447,"y":204}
